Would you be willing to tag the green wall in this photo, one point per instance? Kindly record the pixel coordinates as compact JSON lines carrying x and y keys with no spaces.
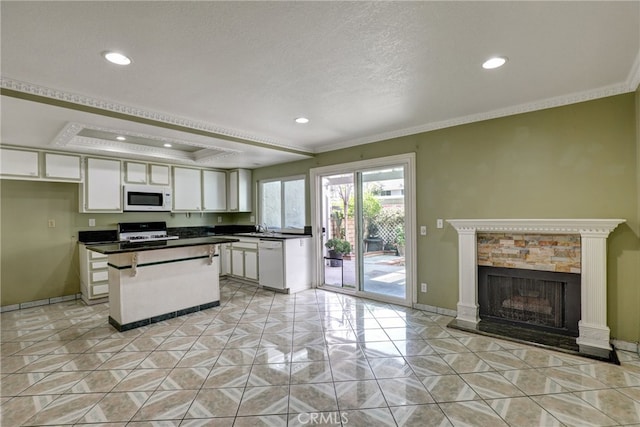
{"x":576,"y":161}
{"x":39,"y":262}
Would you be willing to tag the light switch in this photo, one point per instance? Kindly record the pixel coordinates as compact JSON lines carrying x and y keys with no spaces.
{"x":440,"y":223}
{"x":423,"y":230}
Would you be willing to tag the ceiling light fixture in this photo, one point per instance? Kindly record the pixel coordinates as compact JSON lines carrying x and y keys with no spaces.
{"x":495,"y":62}
{"x":121,"y":138}
{"x":302,"y":120}
{"x":167,"y":145}
{"x":116,"y":58}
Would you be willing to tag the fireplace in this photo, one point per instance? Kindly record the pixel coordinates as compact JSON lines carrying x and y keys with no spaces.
{"x":593,"y":332}
{"x":543,"y":300}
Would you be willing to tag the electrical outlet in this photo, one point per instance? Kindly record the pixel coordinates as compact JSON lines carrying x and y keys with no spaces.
{"x":252,"y":218}
{"x":440,"y":223}
{"x":51,"y":223}
{"x":423,"y":287}
{"x":423,"y":230}
{"x":92,"y":222}
{"x":219,"y":219}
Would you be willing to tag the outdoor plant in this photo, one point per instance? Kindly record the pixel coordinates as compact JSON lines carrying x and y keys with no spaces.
{"x":339,"y":246}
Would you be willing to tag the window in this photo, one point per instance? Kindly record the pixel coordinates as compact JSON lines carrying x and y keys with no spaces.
{"x":282,"y":203}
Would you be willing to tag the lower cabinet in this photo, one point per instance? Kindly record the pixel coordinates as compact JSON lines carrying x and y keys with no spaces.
{"x":244,"y":260}
{"x":94,"y":276}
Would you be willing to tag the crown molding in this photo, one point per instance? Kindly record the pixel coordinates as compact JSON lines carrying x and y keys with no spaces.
{"x":558,"y":101}
{"x":89,"y":102}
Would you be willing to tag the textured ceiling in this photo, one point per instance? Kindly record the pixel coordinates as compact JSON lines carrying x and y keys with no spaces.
{"x":361,"y":71}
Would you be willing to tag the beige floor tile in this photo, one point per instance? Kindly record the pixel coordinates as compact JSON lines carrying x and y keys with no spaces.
{"x":270,"y":400}
{"x":166,"y":405}
{"x":449,"y":388}
{"x":523,"y":412}
{"x":491,"y":385}
{"x":614,"y":404}
{"x":572,"y":411}
{"x":185,"y":379}
{"x":19,"y":409}
{"x":116,"y":407}
{"x":419,"y":415}
{"x":311,"y":398}
{"x":404,"y":391}
{"x":66,"y":409}
{"x":359,"y":395}
{"x":214,"y":403}
{"x":472,"y":413}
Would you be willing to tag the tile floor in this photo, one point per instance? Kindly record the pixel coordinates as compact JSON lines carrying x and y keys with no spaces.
{"x":315,"y":358}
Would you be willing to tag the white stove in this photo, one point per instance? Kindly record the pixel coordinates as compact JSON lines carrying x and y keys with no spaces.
{"x":143,"y":231}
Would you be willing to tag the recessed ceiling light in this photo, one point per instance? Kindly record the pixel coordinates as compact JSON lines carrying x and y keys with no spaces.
{"x":495,"y":62}
{"x":116,"y":58}
{"x":121,"y":138}
{"x":167,"y":145}
{"x":302,"y":120}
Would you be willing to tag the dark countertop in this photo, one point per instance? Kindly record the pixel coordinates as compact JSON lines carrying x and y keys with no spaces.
{"x":273,"y":236}
{"x":125,"y":247}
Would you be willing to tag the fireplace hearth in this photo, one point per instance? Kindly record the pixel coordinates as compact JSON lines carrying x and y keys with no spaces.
{"x":539,"y":300}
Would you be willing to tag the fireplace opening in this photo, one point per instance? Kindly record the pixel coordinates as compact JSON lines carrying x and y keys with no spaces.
{"x":542,"y":300}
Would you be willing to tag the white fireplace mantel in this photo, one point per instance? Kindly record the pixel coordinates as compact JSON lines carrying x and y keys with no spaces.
{"x":593,"y":330}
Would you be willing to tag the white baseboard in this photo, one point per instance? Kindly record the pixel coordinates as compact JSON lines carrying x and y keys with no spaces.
{"x":434,"y":309}
{"x":626,"y":346}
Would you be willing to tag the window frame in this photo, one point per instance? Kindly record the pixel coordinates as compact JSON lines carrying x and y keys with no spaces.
{"x":282,"y":181}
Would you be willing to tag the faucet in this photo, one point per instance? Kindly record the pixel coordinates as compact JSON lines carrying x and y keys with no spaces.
{"x":263,"y":228}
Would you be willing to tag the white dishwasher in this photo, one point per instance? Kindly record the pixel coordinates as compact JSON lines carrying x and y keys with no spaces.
{"x":271,"y":263}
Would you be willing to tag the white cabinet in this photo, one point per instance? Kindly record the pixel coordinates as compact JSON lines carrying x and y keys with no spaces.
{"x":251,"y":265}
{"x":135,"y":173}
{"x":159,"y":175}
{"x":244,"y":259}
{"x":239,"y":190}
{"x":94,"y":276}
{"x":62,"y":166}
{"x":214,"y":190}
{"x":187,"y":189}
{"x":19,"y":163}
{"x":102,"y":187}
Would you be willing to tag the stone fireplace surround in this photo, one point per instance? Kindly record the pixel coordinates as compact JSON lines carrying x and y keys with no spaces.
{"x":594,"y":334}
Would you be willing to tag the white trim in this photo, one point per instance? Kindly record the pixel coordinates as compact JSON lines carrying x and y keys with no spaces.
{"x":315,"y":184}
{"x":626,"y":346}
{"x":564,"y":226}
{"x":433,"y":309}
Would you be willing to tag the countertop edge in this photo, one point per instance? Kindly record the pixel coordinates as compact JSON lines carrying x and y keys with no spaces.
{"x":120,"y":248}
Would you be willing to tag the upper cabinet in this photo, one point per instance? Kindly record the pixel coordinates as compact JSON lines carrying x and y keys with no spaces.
{"x":63,"y":167}
{"x":102,"y":190}
{"x":214,"y":190}
{"x":196,"y":190}
{"x":146,"y":173}
{"x":135,"y":173}
{"x":19,"y":163}
{"x":187,"y":189}
{"x":239,"y":191}
{"x":159,"y":175}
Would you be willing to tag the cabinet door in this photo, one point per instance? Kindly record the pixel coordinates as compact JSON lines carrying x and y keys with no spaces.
{"x":103,"y":190}
{"x":237,"y":262}
{"x":214,"y":190}
{"x":187,"y":189}
{"x":19,"y":163}
{"x":62,"y":166}
{"x":239,"y":190}
{"x":159,"y":174}
{"x":251,"y":265}
{"x":135,"y":173}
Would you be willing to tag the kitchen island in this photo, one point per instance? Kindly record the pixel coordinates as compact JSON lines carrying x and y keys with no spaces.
{"x":157,"y":280}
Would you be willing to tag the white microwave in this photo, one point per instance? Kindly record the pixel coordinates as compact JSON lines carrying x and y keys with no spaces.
{"x":146,"y":198}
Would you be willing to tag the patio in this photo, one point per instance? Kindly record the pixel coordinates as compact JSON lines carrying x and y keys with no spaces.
{"x":383,"y":274}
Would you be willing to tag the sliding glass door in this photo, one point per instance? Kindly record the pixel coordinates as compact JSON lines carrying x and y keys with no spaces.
{"x":364,"y":219}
